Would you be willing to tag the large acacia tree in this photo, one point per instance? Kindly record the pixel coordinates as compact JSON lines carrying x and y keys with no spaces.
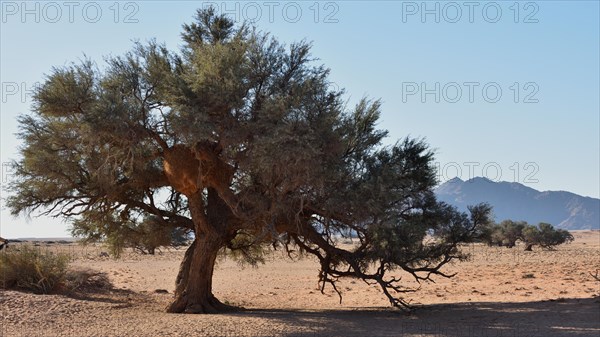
{"x":242,"y":141}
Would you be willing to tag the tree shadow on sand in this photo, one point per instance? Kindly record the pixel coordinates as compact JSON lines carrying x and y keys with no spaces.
{"x":562,"y":317}
{"x":122,"y":297}
{"x":93,"y":286}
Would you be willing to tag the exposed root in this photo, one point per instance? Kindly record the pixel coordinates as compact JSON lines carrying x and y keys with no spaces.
{"x":211,"y":305}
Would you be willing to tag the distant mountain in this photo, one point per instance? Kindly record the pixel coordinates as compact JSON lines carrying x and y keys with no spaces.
{"x":518,"y":202}
{"x":70,"y":239}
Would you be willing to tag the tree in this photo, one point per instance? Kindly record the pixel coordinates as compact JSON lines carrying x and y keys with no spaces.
{"x":505,"y":233}
{"x":508,"y":232}
{"x":490,"y":234}
{"x":545,"y":236}
{"x":511,"y":232}
{"x":241,"y":141}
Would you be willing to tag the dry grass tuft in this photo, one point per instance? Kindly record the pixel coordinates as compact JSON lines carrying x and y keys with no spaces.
{"x":44,"y":272}
{"x":30,"y":269}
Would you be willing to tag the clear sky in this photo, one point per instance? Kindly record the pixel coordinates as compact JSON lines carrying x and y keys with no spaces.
{"x":507,"y":90}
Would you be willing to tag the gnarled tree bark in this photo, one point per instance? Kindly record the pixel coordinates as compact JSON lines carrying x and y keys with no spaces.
{"x":193,"y":293}
{"x":194,"y":281}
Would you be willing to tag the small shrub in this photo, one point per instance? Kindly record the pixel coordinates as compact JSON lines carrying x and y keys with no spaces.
{"x":31,"y":269}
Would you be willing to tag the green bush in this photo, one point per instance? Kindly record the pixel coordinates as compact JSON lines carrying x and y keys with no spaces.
{"x":28,"y":268}
{"x":508,"y":232}
{"x":504,"y":234}
{"x":545,"y":236}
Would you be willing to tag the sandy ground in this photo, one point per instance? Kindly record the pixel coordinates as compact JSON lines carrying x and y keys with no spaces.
{"x":498,"y":292}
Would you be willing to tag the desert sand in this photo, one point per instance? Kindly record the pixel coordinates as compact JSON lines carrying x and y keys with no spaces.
{"x":497,"y":292}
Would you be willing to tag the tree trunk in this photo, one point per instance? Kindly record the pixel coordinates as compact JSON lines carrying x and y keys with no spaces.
{"x":194,"y":282}
{"x":528,"y":248}
{"x":193,"y":293}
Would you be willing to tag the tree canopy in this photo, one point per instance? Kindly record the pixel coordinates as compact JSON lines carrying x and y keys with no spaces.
{"x":508,"y":232}
{"x":242,"y":141}
{"x":545,"y":236}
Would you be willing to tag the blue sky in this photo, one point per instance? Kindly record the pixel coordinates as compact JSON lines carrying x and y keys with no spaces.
{"x":506,"y":91}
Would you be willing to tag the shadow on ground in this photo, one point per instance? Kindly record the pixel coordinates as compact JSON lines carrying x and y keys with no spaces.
{"x":564,"y":317}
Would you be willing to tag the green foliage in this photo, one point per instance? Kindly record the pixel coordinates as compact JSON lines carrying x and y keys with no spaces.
{"x":28,"y":268}
{"x":209,"y":27}
{"x":505,"y":233}
{"x":246,"y":249}
{"x":489,"y":234}
{"x":545,"y":236}
{"x":508,"y":232}
{"x":531,"y":234}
